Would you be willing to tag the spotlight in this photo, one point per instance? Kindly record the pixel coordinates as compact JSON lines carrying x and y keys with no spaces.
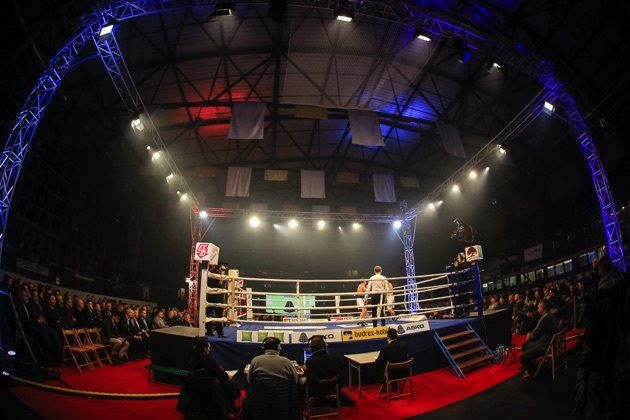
{"x":203,"y":214}
{"x":455,"y":188}
{"x":502,"y":151}
{"x":179,"y":193}
{"x":136,"y":124}
{"x":549,"y":106}
{"x":431,"y":206}
{"x":491,"y":64}
{"x":321,"y":225}
{"x":188,"y":280}
{"x":222,"y":9}
{"x":423,"y":35}
{"x":472,"y":174}
{"x":340,"y":228}
{"x":464,"y":54}
{"x":439,"y":203}
{"x":254,"y":221}
{"x":293,"y":224}
{"x":487,"y":169}
{"x":148,"y":147}
{"x":106,"y":30}
{"x":397,"y":224}
{"x":183,"y":197}
{"x":276,"y":226}
{"x":169,"y":177}
{"x":344,"y":12}
{"x":356,"y":226}
{"x":5,"y":373}
{"x":11,"y":353}
{"x":156,"y":155}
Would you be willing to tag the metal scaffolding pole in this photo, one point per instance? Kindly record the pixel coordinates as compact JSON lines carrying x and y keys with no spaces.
{"x":407,"y":235}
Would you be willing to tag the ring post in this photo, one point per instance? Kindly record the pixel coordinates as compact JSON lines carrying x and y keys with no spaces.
{"x":231,"y":300}
{"x":203,"y":302}
{"x":478,"y":294}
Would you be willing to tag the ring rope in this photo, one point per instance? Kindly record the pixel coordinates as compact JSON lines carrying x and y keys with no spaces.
{"x":255,"y":279}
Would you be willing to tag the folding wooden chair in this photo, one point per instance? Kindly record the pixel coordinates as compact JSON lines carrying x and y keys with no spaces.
{"x":73,"y":347}
{"x":101,"y":351}
{"x":557,"y":352}
{"x":314,"y":408}
{"x":390,"y":380}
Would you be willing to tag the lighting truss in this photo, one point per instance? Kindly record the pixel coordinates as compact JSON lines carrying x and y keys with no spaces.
{"x":407,"y":236}
{"x":223,"y":213}
{"x":105,"y":13}
{"x":114,"y":62}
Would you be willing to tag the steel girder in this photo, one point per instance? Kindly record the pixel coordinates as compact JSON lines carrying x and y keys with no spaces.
{"x":38,"y":100}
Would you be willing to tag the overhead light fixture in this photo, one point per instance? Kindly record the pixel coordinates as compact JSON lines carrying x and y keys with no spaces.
{"x":455,"y":188}
{"x":223,"y":9}
{"x":106,"y":30}
{"x":356,"y":226}
{"x":431,"y":206}
{"x":183,"y":197}
{"x":344,"y":12}
{"x":254,"y":221}
{"x":136,"y":124}
{"x":439,"y":203}
{"x":321,"y":225}
{"x":472,"y":174}
{"x":423,"y":35}
{"x":170,"y":177}
{"x":203,"y":214}
{"x":487,"y":169}
{"x":293,"y":224}
{"x":148,"y":147}
{"x":549,"y":106}
{"x":156,"y":155}
{"x":397,"y":224}
{"x":340,"y":228}
{"x":502,"y":151}
{"x":491,"y":64}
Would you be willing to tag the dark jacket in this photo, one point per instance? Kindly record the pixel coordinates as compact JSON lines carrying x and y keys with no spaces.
{"x":322,"y":365}
{"x":544,"y":331}
{"x":110,"y":330}
{"x":53,"y":315}
{"x":126,"y":328}
{"x":394,"y":352}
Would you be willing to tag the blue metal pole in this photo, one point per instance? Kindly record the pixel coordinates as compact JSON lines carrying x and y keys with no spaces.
{"x":478,"y":291}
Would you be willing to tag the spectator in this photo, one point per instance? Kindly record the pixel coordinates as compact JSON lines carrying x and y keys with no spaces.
{"x":321,"y":365}
{"x":604,"y":366}
{"x":186,"y":321}
{"x":493,"y":304}
{"x":536,"y":342}
{"x":52,"y":313}
{"x":271,"y":364}
{"x":131,"y":333}
{"x":80,"y":315}
{"x":67,"y":315}
{"x":158,"y":320}
{"x":111,"y":335}
{"x":394,"y":352}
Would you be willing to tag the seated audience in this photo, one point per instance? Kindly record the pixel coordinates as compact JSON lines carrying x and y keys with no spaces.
{"x":208,"y":391}
{"x":130,"y":331}
{"x":271,"y":364}
{"x":537,"y":341}
{"x":110,"y":334}
{"x":158,"y":320}
{"x":321,"y":365}
{"x":394,"y":352}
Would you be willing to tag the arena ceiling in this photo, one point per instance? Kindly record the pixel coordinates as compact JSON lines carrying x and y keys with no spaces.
{"x":190,"y":68}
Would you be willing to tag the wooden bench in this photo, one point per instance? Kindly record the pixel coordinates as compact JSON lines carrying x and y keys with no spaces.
{"x":165,"y":369}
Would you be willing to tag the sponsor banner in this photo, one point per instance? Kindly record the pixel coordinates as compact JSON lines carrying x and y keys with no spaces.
{"x":412,"y":327}
{"x":205,"y":251}
{"x":364,"y":334}
{"x":290,"y":319}
{"x":331,"y":336}
{"x":342,"y":318}
{"x":244,"y":336}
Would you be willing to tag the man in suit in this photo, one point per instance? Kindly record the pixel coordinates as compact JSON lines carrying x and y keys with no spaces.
{"x":130,"y":332}
{"x":321,"y":365}
{"x":111,"y":335}
{"x":394,"y":352}
{"x":536,"y":342}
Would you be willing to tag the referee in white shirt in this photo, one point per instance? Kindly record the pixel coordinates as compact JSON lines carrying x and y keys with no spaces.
{"x":377,"y":283}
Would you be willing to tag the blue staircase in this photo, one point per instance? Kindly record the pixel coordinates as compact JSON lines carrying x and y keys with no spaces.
{"x":464,"y":350}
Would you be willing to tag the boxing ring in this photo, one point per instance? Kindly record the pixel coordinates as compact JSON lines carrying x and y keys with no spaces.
{"x":249,"y":318}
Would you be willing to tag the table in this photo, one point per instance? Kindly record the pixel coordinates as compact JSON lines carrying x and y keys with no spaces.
{"x":356,"y":361}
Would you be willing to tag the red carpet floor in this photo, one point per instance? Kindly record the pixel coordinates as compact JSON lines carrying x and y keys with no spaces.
{"x":432,"y":390}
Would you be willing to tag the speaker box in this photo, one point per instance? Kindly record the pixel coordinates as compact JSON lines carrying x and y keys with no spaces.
{"x":172,"y":347}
